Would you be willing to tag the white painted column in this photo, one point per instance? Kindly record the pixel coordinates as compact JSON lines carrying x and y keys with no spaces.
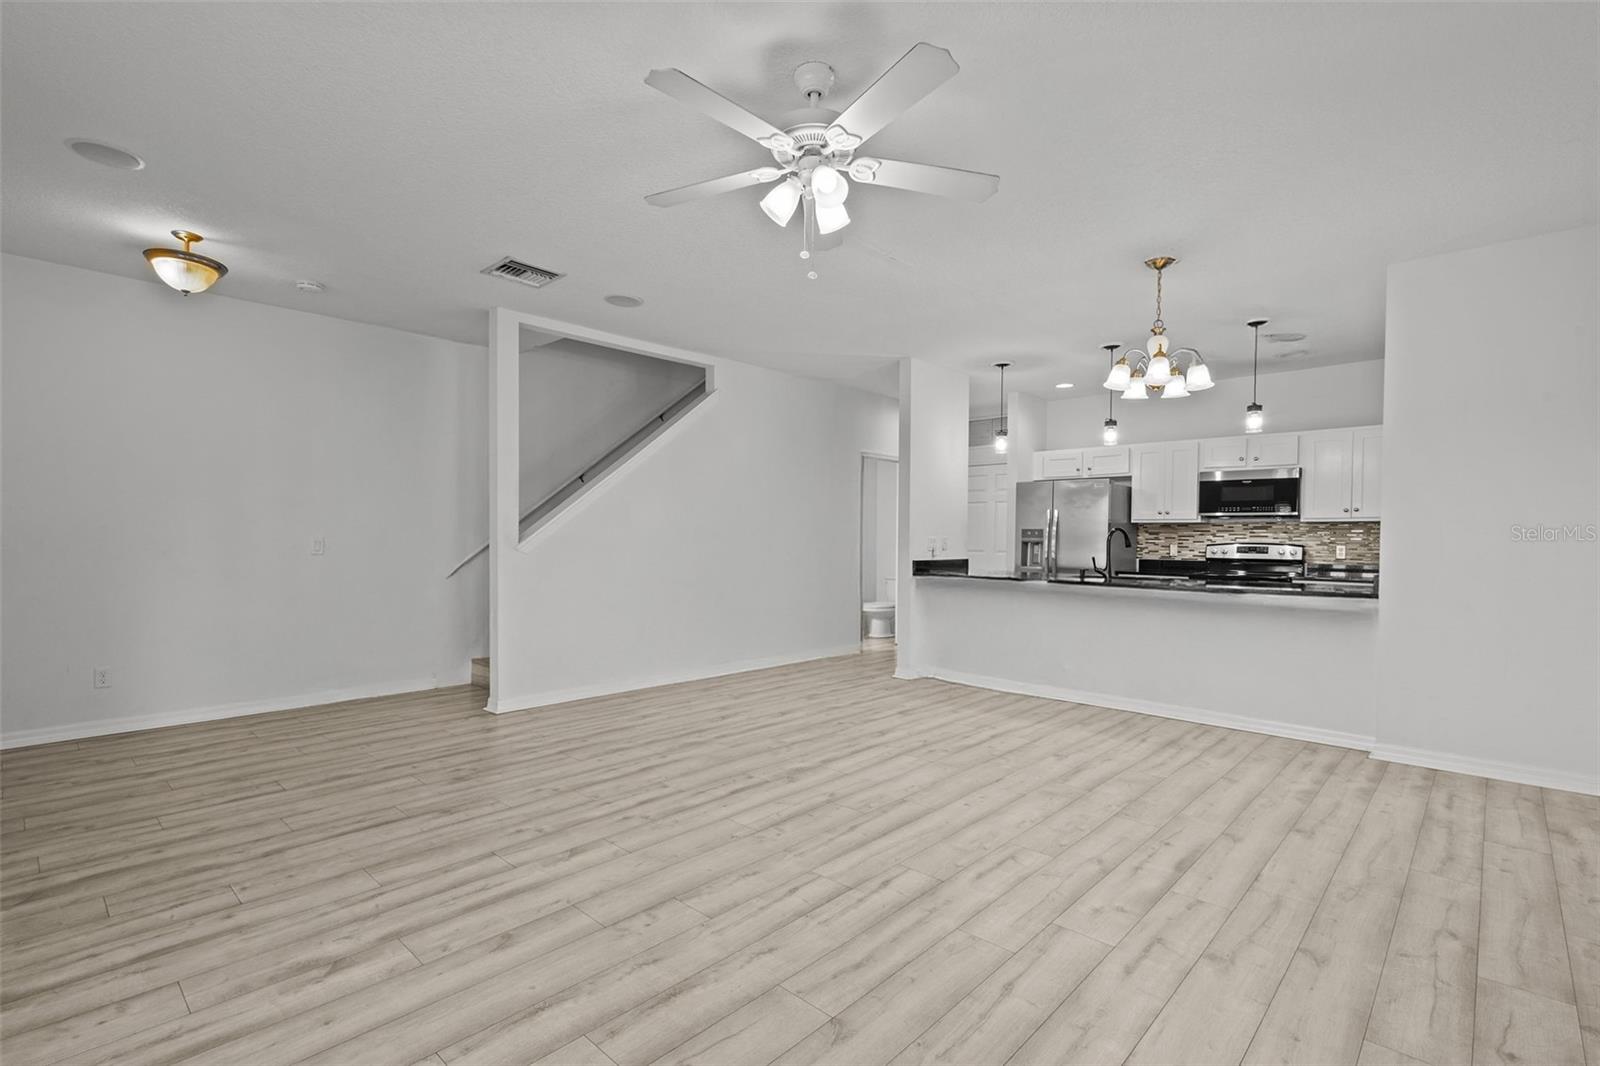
{"x":505,"y":363}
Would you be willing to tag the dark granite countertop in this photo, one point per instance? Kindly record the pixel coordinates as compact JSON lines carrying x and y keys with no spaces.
{"x":1314,"y":589}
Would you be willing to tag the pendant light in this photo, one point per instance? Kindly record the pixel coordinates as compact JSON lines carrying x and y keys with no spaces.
{"x":1108,"y":435}
{"x":1001,"y":443}
{"x":185,"y":271}
{"x":1254,"y":418}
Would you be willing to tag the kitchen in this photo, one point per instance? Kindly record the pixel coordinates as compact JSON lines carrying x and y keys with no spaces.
{"x":1274,"y":514}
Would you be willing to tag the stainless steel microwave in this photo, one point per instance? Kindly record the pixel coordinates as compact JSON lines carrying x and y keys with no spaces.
{"x":1250,"y":493}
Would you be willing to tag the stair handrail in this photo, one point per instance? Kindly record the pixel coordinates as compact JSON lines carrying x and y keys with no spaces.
{"x":610,"y":460}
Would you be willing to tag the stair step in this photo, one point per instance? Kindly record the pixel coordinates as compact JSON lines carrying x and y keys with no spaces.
{"x":480,"y":672}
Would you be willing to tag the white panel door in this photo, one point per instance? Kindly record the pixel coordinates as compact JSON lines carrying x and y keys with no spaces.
{"x":1223,"y":453}
{"x":988,"y":521}
{"x":1325,"y":476}
{"x":1366,"y":474}
{"x":1106,"y":462}
{"x":1183,"y":482}
{"x":1276,"y":449}
{"x":1152,"y":475}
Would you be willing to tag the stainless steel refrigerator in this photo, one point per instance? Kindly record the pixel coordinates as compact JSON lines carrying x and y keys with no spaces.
{"x":1063,"y":527}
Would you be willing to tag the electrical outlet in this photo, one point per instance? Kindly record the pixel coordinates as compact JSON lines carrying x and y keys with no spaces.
{"x":933,"y":546}
{"x":102,"y":677}
{"x":1172,"y":550}
{"x":944,"y":544}
{"x":319,"y":546}
{"x":1338,"y":551}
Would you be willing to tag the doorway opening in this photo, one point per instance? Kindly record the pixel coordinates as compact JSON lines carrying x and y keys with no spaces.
{"x":880,"y":538}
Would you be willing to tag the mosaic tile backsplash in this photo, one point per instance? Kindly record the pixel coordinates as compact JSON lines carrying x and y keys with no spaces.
{"x":1360,"y":539}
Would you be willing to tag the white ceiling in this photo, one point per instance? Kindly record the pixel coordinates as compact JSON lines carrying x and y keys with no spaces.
{"x":1285,"y":152}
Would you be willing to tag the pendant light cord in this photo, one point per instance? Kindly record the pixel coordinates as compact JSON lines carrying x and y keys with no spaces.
{"x":1255,"y":364}
{"x":1003,"y":399}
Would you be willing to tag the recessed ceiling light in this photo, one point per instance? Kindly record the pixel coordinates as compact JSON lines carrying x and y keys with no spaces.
{"x":1063,"y":384}
{"x":1283,"y":338}
{"x":106,"y":155}
{"x":307,"y":286}
{"x":616,"y":300}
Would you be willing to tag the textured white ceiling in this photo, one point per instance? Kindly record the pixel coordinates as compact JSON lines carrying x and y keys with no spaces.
{"x":1286,"y":152}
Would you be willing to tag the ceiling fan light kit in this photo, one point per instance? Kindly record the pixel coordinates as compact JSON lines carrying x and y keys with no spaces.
{"x":815,"y":156}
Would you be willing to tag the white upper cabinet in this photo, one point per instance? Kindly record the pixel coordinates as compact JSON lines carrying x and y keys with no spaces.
{"x":1166,"y":482}
{"x":1106,"y":462}
{"x":1223,"y":453}
{"x":1366,"y":474}
{"x":1049,"y":466}
{"x":1080,"y":462}
{"x":1244,"y":452}
{"x":1341,"y":478}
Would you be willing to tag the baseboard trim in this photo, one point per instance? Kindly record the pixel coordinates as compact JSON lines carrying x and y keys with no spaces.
{"x":1162,"y":710}
{"x":55,"y":734}
{"x":1518,"y":773}
{"x":502,"y":705}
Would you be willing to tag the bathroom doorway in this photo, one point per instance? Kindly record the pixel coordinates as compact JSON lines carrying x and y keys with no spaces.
{"x":880,"y":519}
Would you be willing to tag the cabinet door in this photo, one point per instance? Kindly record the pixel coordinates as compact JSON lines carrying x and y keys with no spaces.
{"x":1325,"y":476}
{"x":1151,"y":482}
{"x":1277,"y":449}
{"x":1060,"y":464}
{"x":1366,"y":474}
{"x":1105,"y":462}
{"x":1224,"y":453}
{"x":1183,"y":482}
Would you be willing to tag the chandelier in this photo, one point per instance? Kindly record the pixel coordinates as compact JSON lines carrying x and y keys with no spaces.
{"x":1158,"y":372}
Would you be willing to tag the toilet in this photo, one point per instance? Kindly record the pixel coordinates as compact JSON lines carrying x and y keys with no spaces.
{"x":879,"y":614}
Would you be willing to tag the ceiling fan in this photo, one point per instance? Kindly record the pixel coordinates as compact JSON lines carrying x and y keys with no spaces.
{"x":814,"y":155}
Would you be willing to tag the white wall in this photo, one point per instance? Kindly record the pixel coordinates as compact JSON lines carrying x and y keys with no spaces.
{"x":732,"y":540}
{"x":1488,"y":641}
{"x":581,"y":400}
{"x":933,"y":452}
{"x":1349,"y":394}
{"x":1301,"y":669}
{"x":167,"y":463}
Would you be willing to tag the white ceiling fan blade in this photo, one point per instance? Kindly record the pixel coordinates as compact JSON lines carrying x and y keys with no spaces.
{"x":925,"y":178}
{"x":919,"y":72}
{"x":684,"y":89}
{"x":716,"y":186}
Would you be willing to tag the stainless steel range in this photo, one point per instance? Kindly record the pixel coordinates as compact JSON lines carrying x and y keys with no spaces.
{"x":1254,"y":565}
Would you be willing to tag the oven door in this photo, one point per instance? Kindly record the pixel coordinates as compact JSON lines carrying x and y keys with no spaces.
{"x":1250,"y":493}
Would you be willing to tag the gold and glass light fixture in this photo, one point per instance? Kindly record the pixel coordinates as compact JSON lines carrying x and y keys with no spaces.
{"x":1108,"y":435}
{"x":1254,"y":416}
{"x":186,"y":271}
{"x":1159,"y":372}
{"x":1001,"y":442}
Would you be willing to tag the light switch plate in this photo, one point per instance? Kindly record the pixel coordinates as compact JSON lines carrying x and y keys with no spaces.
{"x":1338,"y":551}
{"x":102,"y":677}
{"x":319,"y":546}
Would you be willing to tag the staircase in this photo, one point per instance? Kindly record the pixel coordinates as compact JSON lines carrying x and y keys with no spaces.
{"x":595,"y":472}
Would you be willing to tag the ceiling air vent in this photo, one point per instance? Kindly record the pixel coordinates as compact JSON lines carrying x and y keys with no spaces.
{"x":522,"y":273}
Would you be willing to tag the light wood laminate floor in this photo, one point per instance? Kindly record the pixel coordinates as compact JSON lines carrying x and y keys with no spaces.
{"x":815,"y":863}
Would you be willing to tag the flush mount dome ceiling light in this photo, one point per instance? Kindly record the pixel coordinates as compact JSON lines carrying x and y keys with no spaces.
{"x":619,"y":300}
{"x":815,"y":152}
{"x":186,"y":271}
{"x":1158,"y":373}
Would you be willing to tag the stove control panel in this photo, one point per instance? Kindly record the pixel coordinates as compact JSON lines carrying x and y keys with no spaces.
{"x":1260,"y":552}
